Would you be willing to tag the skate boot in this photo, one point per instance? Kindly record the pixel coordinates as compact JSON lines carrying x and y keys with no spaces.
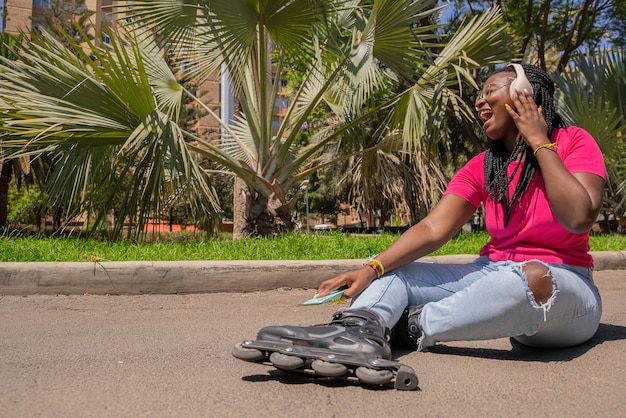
{"x":353,"y":346}
{"x":358,"y":332}
{"x":407,"y":332}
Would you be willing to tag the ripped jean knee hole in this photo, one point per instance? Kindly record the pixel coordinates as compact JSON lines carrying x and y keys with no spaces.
{"x":539,"y":276}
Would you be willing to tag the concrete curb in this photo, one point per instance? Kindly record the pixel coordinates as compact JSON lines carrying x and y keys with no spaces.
{"x":167,"y":277}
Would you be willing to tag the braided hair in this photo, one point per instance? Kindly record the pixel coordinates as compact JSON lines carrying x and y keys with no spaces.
{"x":496,"y":158}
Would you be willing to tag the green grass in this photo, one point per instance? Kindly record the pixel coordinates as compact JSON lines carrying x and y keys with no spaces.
{"x":325,"y":246}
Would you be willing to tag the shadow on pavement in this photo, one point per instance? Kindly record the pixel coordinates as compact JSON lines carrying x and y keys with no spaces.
{"x":520,"y":352}
{"x":302,"y":379}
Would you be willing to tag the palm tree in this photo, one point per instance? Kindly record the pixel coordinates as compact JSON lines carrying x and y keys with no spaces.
{"x":9,"y":46}
{"x":593,"y":98}
{"x":117,"y":146}
{"x":347,"y":50}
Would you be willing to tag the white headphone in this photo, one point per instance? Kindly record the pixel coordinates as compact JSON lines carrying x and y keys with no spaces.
{"x":520,"y":83}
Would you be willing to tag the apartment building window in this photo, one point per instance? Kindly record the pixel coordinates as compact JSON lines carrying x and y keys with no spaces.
{"x":283,"y":82}
{"x":281,"y":103}
{"x":188,"y":67}
{"x":41,"y":3}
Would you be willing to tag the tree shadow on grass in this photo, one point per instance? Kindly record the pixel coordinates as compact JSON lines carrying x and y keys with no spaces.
{"x":520,"y":352}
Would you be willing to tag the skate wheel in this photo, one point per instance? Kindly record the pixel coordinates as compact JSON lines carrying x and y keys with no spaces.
{"x":373,"y":376}
{"x":287,"y":362}
{"x":247,"y":354}
{"x":406,"y":379}
{"x":325,"y":368}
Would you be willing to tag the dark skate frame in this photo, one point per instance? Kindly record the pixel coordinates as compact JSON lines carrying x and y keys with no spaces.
{"x":404,"y":377}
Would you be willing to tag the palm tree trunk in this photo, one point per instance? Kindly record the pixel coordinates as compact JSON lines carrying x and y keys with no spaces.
{"x":240,"y":197}
{"x":5,"y":178}
{"x":252,"y":214}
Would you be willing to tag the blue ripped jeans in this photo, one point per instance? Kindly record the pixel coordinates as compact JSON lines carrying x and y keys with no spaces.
{"x":487,"y":300}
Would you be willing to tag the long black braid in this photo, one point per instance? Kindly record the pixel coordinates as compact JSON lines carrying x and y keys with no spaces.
{"x":497,"y":158}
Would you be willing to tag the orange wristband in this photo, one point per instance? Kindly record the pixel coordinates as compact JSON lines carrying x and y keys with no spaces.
{"x":551,"y":146}
{"x":377,"y":266}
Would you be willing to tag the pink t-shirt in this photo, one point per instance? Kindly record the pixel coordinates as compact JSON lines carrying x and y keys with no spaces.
{"x":532,"y":232}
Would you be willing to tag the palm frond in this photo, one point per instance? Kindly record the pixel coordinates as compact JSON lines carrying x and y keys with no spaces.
{"x":74,"y":100}
{"x":591,"y":96}
{"x":464,"y":52}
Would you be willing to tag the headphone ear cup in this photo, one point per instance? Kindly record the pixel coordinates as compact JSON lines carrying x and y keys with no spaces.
{"x":520,"y":83}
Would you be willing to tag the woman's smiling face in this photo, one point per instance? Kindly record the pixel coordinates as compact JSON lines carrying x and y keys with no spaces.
{"x":497,"y":122}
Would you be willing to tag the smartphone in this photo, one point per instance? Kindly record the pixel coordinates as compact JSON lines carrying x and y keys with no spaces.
{"x":334,"y":295}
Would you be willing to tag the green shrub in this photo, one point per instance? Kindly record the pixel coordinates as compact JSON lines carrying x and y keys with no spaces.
{"x":23,"y":205}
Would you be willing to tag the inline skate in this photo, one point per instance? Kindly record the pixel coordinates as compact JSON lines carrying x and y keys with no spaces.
{"x":354,"y":346}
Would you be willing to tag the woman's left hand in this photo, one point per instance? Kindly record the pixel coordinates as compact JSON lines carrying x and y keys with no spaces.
{"x":529,"y":120}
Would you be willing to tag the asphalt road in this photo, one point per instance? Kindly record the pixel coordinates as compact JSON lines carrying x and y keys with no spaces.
{"x":169,"y":356}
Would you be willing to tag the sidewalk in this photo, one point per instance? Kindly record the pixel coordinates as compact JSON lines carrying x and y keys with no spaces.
{"x":177,"y":277}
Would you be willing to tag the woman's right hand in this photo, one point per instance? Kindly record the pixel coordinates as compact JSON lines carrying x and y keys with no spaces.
{"x":356,"y":280}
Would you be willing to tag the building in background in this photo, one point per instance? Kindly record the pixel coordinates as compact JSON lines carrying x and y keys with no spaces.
{"x":26,"y":15}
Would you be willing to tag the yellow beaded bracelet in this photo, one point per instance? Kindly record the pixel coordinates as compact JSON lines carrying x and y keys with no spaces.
{"x":551,"y":146}
{"x":377,"y":266}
